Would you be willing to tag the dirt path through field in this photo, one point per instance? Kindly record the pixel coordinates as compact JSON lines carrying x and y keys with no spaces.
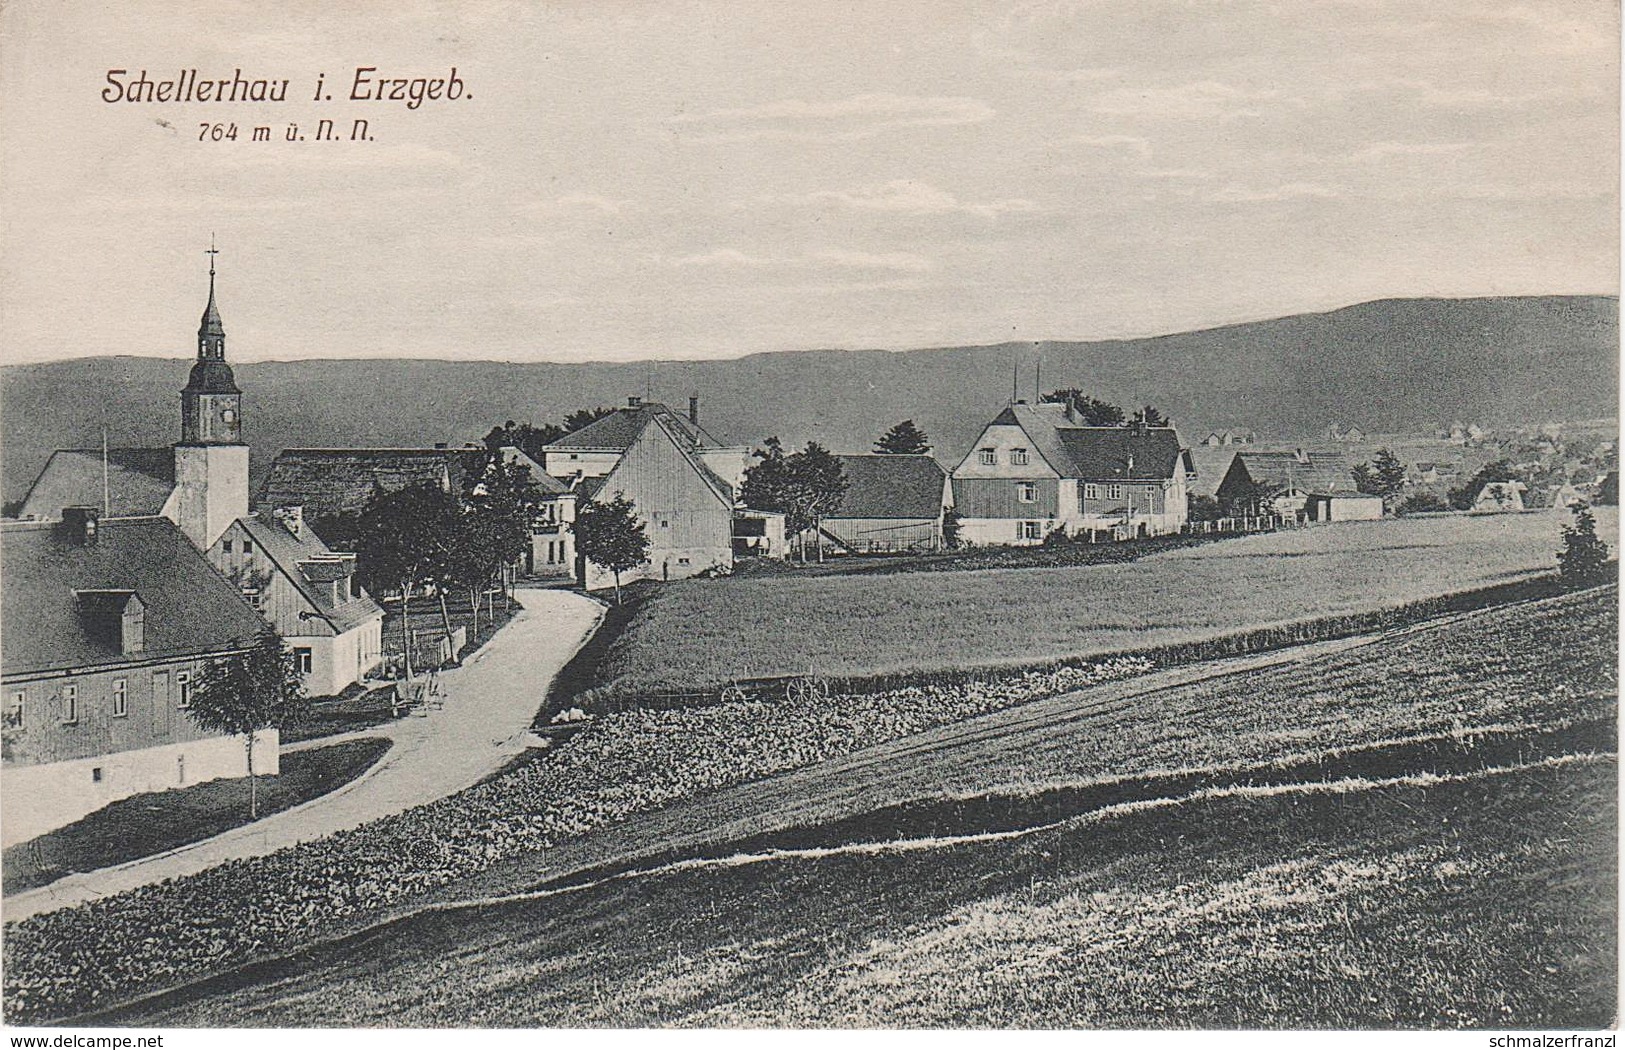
{"x":490,"y":702}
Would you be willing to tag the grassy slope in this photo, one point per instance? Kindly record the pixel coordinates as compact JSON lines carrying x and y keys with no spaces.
{"x":143,"y":825}
{"x":700,"y":632}
{"x":1370,"y":909}
{"x":1484,"y":903}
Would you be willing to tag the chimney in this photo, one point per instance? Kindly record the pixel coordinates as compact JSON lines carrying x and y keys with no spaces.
{"x":634,"y":401}
{"x":1070,"y":411}
{"x":292,"y":517}
{"x":81,"y":524}
{"x":694,"y":409}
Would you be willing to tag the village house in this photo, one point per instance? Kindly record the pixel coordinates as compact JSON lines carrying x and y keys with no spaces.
{"x":1037,"y":468}
{"x":201,"y":484}
{"x":105,"y":626}
{"x":891,"y":503}
{"x":1499,"y":497}
{"x":332,"y":483}
{"x":1313,"y":486}
{"x":552,"y":551}
{"x":669,"y":469}
{"x":309,"y":594}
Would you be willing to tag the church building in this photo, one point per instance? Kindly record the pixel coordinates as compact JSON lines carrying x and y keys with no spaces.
{"x":279,"y":567}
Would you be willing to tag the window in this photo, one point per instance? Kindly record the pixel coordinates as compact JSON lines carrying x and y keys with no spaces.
{"x":302,"y":658}
{"x":1114,"y":492}
{"x":70,"y":704}
{"x":96,"y":775}
{"x":987,"y":457}
{"x":1091,"y":492}
{"x":225,"y":545}
{"x":682,"y":561}
{"x":183,"y":682}
{"x":1032,"y":530}
{"x":16,"y":706}
{"x":1026,"y":492}
{"x":248,"y":548}
{"x":121,"y":698}
{"x":1018,"y":457}
{"x":665,"y":524}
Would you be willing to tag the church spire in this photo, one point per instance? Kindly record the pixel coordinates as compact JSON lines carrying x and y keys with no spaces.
{"x":211,"y":335}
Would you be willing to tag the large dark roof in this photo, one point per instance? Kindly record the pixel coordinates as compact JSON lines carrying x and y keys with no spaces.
{"x":331,"y":481}
{"x":139,"y":481}
{"x":1101,"y":453}
{"x":1096,"y":453}
{"x":616,"y":431}
{"x":190,"y":608}
{"x":1324,"y":473}
{"x":880,"y":486}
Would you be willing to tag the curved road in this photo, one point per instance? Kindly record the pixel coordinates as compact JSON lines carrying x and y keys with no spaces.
{"x":490,"y":702}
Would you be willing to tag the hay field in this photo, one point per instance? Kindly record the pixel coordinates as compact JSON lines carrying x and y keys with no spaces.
{"x":701,"y":633}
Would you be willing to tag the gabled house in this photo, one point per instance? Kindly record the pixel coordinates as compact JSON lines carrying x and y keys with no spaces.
{"x":1037,"y":468}
{"x":1317,"y":486}
{"x":309,"y":594}
{"x":659,"y":461}
{"x":891,"y":503}
{"x":552,"y":553}
{"x":106,"y":624}
{"x":1230,"y":437}
{"x":1500,"y":497}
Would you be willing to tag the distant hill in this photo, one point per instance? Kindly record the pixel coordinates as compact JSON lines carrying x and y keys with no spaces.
{"x":1389,"y":365}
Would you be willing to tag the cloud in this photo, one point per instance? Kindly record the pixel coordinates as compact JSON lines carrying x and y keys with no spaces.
{"x":1200,"y":99}
{"x":911,"y":197}
{"x":837,"y":258}
{"x":837,"y":120}
{"x":1131,"y":143}
{"x":1237,"y":194}
{"x":1385,"y":150}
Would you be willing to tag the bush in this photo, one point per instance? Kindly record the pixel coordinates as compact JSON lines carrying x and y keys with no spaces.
{"x":1423,"y":503}
{"x":1583,"y":561}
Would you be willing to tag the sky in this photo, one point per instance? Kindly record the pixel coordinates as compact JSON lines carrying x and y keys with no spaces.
{"x":628,"y":180}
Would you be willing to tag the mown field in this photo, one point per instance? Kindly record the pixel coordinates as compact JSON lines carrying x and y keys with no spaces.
{"x":699,"y":634}
{"x":1416,"y":831}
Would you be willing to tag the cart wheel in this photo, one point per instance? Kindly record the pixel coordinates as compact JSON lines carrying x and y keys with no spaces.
{"x":819,"y":688}
{"x":732,"y":694}
{"x":795,"y":691}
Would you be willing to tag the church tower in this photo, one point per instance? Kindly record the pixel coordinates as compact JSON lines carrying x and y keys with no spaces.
{"x":211,"y":461}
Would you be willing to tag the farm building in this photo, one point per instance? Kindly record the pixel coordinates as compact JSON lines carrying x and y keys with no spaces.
{"x":1037,"y":468}
{"x":105,"y":626}
{"x":596,"y":448}
{"x":892,"y":503}
{"x":658,"y":460}
{"x":1219,"y":438}
{"x":332,"y":482}
{"x":1317,"y":486}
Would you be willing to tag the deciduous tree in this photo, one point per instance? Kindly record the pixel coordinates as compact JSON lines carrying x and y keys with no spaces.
{"x":247,"y":693}
{"x":611,"y":536}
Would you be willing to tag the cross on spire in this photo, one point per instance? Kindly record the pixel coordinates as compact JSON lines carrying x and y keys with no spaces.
{"x":211,"y":253}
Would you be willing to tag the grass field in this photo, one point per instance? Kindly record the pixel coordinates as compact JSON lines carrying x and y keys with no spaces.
{"x":701,"y":633}
{"x":142,"y":825}
{"x":1407,"y":833}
